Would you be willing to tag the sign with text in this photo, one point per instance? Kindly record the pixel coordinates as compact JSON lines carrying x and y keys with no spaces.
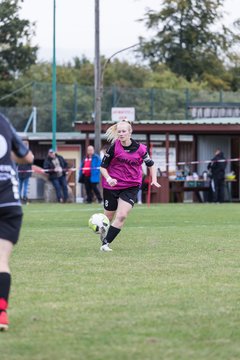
{"x":122,"y":113}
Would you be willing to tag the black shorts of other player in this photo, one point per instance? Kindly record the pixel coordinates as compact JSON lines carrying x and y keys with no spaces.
{"x":10,"y":223}
{"x":111,"y":197}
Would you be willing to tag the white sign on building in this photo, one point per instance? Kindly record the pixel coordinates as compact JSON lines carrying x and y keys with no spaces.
{"x":122,"y":113}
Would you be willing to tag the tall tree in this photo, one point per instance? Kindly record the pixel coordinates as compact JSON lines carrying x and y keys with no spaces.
{"x":16,"y":52}
{"x":186,"y":39}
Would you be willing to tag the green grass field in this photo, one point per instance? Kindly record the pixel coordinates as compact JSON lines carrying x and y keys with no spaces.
{"x":169,"y":290}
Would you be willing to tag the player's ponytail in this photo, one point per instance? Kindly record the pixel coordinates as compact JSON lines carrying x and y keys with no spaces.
{"x":111,"y":132}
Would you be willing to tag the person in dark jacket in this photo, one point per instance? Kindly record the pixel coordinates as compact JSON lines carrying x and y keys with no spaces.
{"x":217,"y":168}
{"x":89,"y":174}
{"x":12,"y":151}
{"x":56,"y":167}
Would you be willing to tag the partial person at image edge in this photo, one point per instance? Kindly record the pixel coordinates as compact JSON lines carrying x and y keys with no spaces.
{"x":12,"y":151}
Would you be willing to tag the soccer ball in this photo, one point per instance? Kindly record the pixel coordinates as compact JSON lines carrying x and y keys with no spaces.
{"x":98,"y":221}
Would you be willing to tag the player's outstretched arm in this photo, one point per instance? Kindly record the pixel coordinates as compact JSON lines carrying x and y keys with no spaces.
{"x":153,"y":174}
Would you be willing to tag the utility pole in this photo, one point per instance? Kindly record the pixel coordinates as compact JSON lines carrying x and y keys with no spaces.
{"x":98,"y":79}
{"x":97,"y":83}
{"x":54,"y":82}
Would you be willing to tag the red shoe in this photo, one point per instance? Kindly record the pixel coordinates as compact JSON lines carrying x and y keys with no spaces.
{"x":3,"y":321}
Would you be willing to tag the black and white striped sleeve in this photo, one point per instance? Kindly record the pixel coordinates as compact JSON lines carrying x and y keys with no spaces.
{"x":148,"y":161}
{"x":108,"y":157}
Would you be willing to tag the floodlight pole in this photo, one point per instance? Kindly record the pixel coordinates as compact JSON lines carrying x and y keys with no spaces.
{"x":54,"y":82}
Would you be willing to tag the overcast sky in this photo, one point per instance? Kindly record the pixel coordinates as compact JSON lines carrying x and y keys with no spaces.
{"x":119,"y":27}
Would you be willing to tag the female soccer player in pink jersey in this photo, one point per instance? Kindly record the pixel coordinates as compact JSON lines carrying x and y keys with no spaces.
{"x":121,"y":170}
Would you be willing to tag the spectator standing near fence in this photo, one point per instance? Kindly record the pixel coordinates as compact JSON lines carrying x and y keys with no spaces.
{"x":12,"y":150}
{"x":89,"y":175}
{"x":56,"y":168}
{"x":217,"y":168}
{"x":24,"y":174}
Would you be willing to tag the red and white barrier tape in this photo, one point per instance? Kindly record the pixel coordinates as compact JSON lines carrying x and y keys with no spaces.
{"x":180,"y":163}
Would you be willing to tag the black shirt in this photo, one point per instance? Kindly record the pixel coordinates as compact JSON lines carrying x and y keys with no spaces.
{"x":217,"y":166}
{"x":9,"y":141}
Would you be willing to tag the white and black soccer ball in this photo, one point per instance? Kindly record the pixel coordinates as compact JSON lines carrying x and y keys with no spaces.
{"x":97,"y":222}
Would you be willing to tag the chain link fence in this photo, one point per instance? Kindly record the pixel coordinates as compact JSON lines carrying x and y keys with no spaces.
{"x":76,"y":103}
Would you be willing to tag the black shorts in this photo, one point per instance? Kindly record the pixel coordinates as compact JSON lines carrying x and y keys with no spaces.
{"x":110,"y":197}
{"x":10,"y":223}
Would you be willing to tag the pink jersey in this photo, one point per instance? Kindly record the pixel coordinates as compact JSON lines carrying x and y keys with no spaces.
{"x":125,"y":167}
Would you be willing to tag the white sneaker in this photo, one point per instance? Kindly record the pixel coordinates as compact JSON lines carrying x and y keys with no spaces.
{"x":105,"y":247}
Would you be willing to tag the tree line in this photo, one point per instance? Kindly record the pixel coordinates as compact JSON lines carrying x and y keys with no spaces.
{"x":191,"y":49}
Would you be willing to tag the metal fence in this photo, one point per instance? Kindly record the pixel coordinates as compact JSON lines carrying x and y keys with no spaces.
{"x":76,"y":103}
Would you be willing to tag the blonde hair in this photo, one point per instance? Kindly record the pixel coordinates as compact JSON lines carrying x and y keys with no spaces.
{"x":111,"y":132}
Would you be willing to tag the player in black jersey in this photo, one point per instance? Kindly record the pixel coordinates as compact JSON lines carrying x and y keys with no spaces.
{"x":12,"y":150}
